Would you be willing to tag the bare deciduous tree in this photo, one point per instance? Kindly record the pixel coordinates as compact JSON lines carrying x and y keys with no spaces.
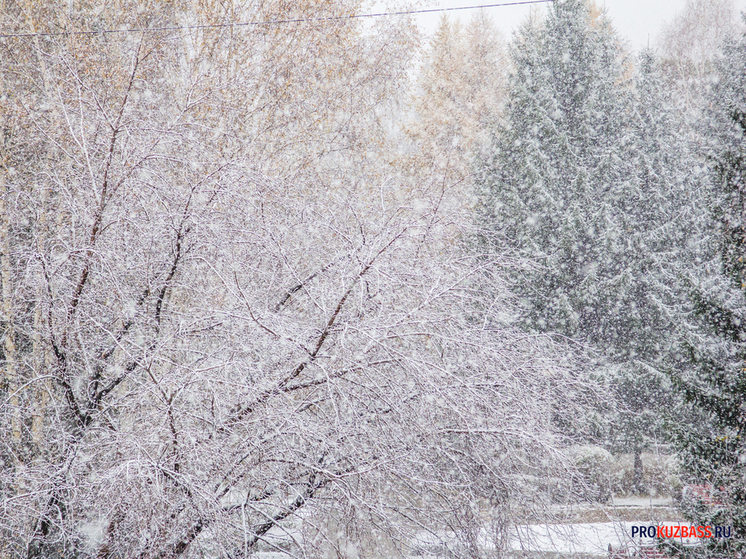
{"x":691,"y":43}
{"x":200,"y":359}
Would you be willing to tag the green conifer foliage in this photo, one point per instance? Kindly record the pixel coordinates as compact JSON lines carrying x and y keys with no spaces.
{"x":592,"y":180}
{"x":713,"y":450}
{"x":551,"y":163}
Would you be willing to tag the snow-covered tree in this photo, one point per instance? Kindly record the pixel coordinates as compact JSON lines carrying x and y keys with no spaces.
{"x":712,"y":445}
{"x":658,"y":211}
{"x":555,"y":156}
{"x":223,"y":330}
{"x":461,"y":92}
{"x":690,"y":46}
{"x":592,"y":179}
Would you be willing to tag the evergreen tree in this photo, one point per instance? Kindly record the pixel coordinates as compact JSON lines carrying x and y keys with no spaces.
{"x":658,"y":210}
{"x":591,"y":179}
{"x":551,"y":162}
{"x":713,"y":448}
{"x":539,"y":187}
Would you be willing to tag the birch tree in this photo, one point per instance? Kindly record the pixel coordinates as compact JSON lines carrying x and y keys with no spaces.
{"x":690,"y":45}
{"x":225,"y":328}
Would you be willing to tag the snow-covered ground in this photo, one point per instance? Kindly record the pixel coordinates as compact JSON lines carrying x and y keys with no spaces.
{"x":566,"y":539}
{"x":587,"y":538}
{"x":642,"y":502}
{"x":593,"y":539}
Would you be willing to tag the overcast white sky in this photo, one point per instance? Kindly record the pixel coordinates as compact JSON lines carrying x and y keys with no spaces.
{"x":634,"y":19}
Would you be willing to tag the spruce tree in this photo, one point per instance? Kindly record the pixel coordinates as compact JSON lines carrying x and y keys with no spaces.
{"x":712,"y":445}
{"x":591,"y":179}
{"x":551,"y":163}
{"x":657,"y":209}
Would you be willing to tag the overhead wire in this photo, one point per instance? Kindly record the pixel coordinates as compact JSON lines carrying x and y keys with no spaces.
{"x":269,"y":22}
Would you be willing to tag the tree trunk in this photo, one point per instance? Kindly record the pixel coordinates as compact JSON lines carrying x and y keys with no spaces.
{"x":637,"y":474}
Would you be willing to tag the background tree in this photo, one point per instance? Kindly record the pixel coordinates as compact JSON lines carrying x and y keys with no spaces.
{"x":592,"y":178}
{"x":690,"y":46}
{"x":549,"y":165}
{"x":460,"y":96}
{"x":712,"y":449}
{"x":659,"y":211}
{"x":562,"y":124}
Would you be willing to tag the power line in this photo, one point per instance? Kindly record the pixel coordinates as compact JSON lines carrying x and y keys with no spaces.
{"x":270,"y":22}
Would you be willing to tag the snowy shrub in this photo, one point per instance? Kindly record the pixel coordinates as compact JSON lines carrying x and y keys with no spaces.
{"x":593,"y":479}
